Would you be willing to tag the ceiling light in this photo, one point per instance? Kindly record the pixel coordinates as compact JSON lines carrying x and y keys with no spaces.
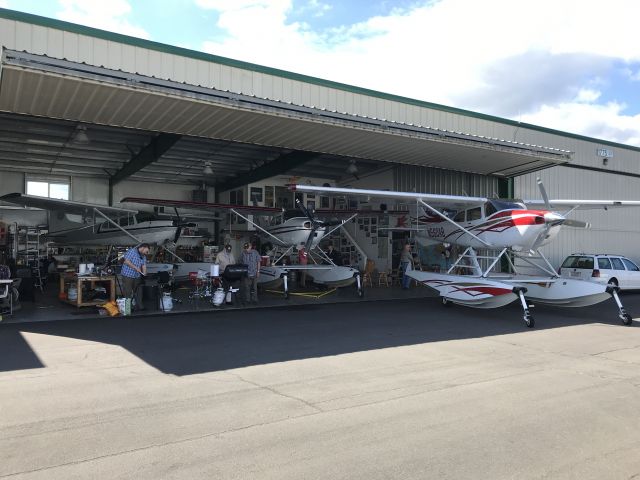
{"x":207,"y":170}
{"x":352,"y":168}
{"x":81,"y":136}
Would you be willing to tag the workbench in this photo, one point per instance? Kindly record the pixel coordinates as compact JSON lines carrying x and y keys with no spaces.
{"x":80,"y":281}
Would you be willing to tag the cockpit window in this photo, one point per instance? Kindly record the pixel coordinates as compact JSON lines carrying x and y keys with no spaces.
{"x":489,"y":209}
{"x":506,"y":204}
{"x":474,"y":214}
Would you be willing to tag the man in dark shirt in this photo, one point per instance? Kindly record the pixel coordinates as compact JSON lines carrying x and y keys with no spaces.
{"x":251,"y":259}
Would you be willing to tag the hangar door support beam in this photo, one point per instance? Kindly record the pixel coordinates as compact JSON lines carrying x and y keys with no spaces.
{"x":278,"y":166}
{"x":151,"y":152}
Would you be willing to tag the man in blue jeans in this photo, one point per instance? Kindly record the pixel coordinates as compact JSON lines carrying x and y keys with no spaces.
{"x":133,"y":268}
{"x":406,"y":262}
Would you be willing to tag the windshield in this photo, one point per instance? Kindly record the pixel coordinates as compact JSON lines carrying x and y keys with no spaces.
{"x":507,"y":204}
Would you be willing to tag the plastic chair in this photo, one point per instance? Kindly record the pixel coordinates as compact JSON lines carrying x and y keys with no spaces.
{"x":368,"y":272}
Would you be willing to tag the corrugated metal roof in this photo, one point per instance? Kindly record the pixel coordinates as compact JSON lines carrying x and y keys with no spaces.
{"x":40,"y":86}
{"x":40,"y":145}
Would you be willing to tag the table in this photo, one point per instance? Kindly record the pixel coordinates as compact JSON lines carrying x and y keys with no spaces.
{"x":79,"y":281}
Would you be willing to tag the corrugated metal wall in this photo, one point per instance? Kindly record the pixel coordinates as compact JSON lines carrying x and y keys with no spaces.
{"x":409,"y":178}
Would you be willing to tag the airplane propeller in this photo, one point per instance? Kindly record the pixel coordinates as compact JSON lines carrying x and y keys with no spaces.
{"x":553,"y":218}
{"x":314,"y":224}
{"x":543,"y":193}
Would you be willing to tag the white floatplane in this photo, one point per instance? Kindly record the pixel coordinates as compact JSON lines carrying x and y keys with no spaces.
{"x":512,"y":229}
{"x":288,"y":229}
{"x":88,"y":224}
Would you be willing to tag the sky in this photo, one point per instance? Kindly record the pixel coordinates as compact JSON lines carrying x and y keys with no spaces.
{"x":571,"y":65}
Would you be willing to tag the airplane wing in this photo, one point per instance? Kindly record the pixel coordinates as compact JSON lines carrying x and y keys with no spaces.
{"x":452,"y":202}
{"x":67,"y":206}
{"x":205,"y":206}
{"x":583,"y":204}
{"x":325,"y":212}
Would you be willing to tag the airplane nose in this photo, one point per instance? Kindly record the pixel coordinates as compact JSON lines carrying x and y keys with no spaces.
{"x":553,"y":218}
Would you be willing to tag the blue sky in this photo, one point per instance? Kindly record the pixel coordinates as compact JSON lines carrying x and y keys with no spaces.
{"x":573,"y":65}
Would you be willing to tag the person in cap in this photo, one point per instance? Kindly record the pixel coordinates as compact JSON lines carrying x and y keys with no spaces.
{"x":251,"y":259}
{"x":225,"y":257}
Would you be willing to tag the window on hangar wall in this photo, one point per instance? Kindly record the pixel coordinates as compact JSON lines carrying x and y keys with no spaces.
{"x":51,"y":187}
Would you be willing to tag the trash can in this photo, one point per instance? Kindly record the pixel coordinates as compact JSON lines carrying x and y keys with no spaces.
{"x":150,"y":298}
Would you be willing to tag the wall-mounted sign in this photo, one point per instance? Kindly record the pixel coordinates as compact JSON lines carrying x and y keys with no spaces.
{"x":604,"y":152}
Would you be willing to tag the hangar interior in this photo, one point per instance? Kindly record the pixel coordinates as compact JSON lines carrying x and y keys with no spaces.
{"x":95,"y":117}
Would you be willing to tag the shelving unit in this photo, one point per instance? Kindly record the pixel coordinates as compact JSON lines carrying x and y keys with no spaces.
{"x":28,"y":249}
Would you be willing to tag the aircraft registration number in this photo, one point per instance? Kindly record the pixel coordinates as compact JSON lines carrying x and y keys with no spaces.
{"x":435,"y":232}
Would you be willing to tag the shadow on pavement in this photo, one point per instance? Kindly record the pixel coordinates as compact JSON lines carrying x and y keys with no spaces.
{"x":15,"y":352}
{"x":197,"y":343}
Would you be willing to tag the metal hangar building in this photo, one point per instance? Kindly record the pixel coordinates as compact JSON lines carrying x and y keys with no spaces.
{"x":110,"y":116}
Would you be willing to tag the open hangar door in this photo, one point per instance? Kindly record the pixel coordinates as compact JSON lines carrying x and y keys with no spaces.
{"x":111,"y":133}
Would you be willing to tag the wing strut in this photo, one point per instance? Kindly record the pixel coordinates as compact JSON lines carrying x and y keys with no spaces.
{"x":437,"y":212}
{"x":258,"y":226}
{"x":338,"y":226}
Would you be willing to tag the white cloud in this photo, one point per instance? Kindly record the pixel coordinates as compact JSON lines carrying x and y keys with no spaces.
{"x":315,"y":7}
{"x":496,"y":56}
{"x":587,"y":95}
{"x":631,"y":75}
{"x":600,"y":121}
{"x":4,"y":4}
{"x":107,"y":15}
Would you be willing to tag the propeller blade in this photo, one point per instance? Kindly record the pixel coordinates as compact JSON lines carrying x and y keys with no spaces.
{"x":576,"y":224}
{"x":543,"y":192}
{"x":309,"y":242}
{"x":176,"y":237}
{"x":303,"y":209}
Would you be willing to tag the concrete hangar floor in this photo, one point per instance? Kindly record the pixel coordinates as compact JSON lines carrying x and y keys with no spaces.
{"x":359,"y":390}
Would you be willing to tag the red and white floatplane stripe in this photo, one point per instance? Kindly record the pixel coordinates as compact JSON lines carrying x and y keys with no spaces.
{"x":466,"y":290}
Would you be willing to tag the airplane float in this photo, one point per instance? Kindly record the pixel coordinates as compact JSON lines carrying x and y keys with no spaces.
{"x":287,"y":229}
{"x":513,"y":229}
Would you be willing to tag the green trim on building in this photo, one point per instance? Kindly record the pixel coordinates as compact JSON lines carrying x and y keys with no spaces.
{"x":161,"y":47}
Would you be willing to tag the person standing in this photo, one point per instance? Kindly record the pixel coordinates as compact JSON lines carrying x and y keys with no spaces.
{"x":406,"y":263}
{"x":251,"y":259}
{"x":225,"y":257}
{"x":334,"y":255}
{"x":303,"y":259}
{"x":133,"y":268}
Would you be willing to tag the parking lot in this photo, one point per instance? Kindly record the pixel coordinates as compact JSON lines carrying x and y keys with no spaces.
{"x":387,"y":389}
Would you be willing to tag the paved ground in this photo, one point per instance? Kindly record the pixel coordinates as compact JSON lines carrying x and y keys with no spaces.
{"x":354,"y":391}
